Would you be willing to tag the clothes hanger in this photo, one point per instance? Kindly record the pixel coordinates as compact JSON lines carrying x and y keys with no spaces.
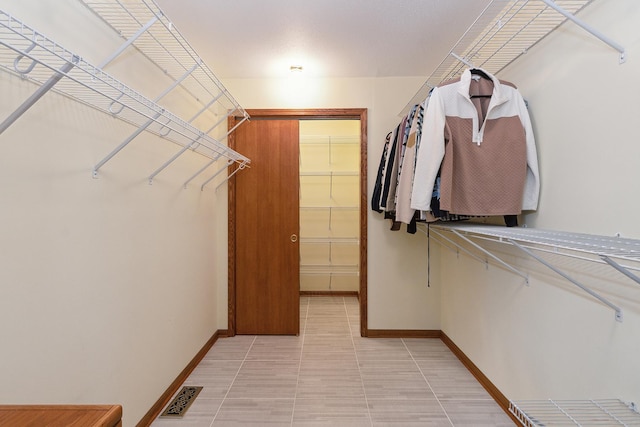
{"x":480,"y":72}
{"x":483,"y":74}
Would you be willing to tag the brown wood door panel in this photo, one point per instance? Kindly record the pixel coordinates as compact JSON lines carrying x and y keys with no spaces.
{"x":236,"y":192}
{"x":267,"y":215}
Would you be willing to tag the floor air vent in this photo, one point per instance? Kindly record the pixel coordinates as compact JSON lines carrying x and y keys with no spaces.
{"x":179,"y":405}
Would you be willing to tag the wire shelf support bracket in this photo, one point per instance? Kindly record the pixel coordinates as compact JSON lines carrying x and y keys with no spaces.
{"x":40,"y":92}
{"x":129,"y":42}
{"x":489,"y":254}
{"x":124,"y":144}
{"x":620,"y":253}
{"x":456,"y":245}
{"x":589,"y":29}
{"x":597,"y":296}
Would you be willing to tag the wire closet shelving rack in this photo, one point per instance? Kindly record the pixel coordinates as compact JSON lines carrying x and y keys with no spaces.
{"x":505,"y":30}
{"x":33,"y":56}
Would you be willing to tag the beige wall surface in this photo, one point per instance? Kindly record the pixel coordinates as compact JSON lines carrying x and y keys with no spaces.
{"x":109,"y":285}
{"x":550,"y":339}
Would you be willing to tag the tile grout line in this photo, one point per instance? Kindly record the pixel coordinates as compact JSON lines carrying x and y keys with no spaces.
{"x":364,"y":390}
{"x":233,"y":381}
{"x":304,"y":334}
{"x":427,"y":381}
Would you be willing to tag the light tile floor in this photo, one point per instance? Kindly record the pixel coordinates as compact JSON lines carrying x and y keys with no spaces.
{"x":330,"y":376}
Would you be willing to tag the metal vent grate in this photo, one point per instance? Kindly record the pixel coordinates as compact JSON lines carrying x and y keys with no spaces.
{"x":179,"y":405}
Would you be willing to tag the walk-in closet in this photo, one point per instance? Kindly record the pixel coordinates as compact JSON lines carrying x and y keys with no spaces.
{"x":346,"y":212}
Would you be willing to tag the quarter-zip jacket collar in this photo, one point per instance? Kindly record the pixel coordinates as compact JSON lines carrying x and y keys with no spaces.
{"x":497,"y":98}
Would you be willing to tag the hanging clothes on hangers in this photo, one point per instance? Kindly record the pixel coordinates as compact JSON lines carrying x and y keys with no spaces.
{"x":377,"y":188}
{"x":477,"y":136}
{"x":404,"y":212}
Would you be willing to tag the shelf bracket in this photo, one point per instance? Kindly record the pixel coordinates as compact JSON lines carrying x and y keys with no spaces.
{"x":193,"y":144}
{"x":219,"y":122}
{"x":462,"y":248}
{"x":128,"y":43}
{"x":177,"y":82}
{"x":218,"y":172}
{"x":240,"y":167}
{"x":206,"y":107}
{"x":202,"y":169}
{"x":125,"y":143}
{"x":235,"y":127}
{"x":461,"y":59}
{"x":588,"y":28}
{"x":620,"y":268}
{"x":483,"y":250}
{"x":570,"y":279}
{"x":39,"y":93}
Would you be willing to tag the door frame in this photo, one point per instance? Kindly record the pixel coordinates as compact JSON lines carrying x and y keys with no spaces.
{"x":307,"y":114}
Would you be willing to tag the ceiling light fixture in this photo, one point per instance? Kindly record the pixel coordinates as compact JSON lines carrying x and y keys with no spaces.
{"x":296,"y":68}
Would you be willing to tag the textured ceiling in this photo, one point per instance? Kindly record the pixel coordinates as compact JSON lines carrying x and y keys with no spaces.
{"x":330,"y":38}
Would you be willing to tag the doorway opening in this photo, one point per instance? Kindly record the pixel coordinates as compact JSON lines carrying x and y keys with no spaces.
{"x":333,"y":261}
{"x":329,"y":207}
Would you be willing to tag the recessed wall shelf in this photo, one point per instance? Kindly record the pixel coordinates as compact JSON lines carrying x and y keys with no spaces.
{"x":35,"y":57}
{"x":329,"y":139}
{"x":503,"y":31}
{"x":619,"y":253}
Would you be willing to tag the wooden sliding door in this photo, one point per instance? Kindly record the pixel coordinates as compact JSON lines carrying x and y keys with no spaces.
{"x":267,"y":226}
{"x":264,"y":209}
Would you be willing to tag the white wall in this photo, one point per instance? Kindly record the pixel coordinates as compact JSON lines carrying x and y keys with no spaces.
{"x":550,"y":339}
{"x":398,"y":296}
{"x":109,"y":285}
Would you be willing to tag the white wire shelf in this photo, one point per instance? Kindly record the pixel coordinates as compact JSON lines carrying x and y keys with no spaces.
{"x":35,"y":57}
{"x":613,"y":247}
{"x":607,"y":412}
{"x":149,"y":30}
{"x":613,"y":251}
{"x":505,"y":30}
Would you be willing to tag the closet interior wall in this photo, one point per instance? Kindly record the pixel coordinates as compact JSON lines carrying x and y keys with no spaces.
{"x":114,"y":281}
{"x":546,"y":338}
